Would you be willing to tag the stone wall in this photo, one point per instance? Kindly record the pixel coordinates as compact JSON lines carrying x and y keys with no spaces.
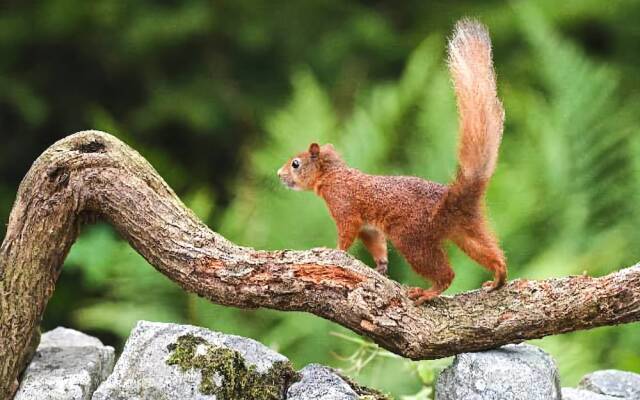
{"x":169,"y":361}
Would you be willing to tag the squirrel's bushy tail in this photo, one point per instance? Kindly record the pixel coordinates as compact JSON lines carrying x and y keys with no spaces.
{"x":481,"y":115}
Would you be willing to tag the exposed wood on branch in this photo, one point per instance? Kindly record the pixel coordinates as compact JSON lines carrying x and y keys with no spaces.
{"x":92,"y":173}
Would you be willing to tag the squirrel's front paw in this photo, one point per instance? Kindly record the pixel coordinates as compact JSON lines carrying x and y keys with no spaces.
{"x":420,"y":295}
{"x":492,"y":285}
{"x":382,"y":267}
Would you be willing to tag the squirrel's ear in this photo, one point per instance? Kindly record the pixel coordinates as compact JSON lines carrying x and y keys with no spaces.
{"x":328,"y":147}
{"x":314,"y":150}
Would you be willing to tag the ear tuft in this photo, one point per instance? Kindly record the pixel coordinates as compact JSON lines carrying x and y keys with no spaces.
{"x":328,"y":147}
{"x":314,"y":150}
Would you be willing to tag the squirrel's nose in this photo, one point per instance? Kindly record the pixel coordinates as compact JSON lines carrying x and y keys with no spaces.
{"x":280,"y":172}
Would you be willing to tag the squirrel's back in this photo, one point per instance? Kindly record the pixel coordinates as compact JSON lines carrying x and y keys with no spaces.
{"x":385,"y":198}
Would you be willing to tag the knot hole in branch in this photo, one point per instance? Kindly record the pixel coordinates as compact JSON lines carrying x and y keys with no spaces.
{"x":93,"y":146}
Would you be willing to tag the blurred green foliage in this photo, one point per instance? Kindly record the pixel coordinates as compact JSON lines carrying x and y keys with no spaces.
{"x":218,"y":95}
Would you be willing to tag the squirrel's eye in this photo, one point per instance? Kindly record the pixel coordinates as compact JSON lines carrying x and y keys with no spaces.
{"x":295,"y":163}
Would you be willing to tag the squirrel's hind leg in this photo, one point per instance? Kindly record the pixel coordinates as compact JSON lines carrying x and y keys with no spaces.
{"x":430,"y":261}
{"x":479,"y":244}
{"x":376,"y":243}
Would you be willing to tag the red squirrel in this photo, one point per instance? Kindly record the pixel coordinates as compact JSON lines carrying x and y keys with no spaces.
{"x":415,"y":214}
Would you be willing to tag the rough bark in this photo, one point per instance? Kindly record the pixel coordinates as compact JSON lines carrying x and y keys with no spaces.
{"x":93,"y":174}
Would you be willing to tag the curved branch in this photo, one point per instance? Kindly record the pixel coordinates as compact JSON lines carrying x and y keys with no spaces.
{"x":94,"y":173}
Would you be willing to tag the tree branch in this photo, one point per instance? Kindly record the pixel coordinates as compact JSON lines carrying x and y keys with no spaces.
{"x":93,"y":173}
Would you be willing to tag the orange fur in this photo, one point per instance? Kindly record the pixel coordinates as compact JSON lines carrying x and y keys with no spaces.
{"x":415,"y":214}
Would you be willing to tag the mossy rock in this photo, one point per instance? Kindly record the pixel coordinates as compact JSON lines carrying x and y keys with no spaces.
{"x":170,"y":361}
{"x":225,"y":373}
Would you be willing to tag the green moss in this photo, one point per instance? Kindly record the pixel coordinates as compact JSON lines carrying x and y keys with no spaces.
{"x":364,"y":393}
{"x":241,"y":382}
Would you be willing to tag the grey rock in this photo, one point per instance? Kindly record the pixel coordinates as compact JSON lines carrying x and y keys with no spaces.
{"x":512,"y":372}
{"x":68,"y":365}
{"x":620,"y":384}
{"x":319,"y":382}
{"x":142,"y":371}
{"x":64,"y":337}
{"x":579,"y":394}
